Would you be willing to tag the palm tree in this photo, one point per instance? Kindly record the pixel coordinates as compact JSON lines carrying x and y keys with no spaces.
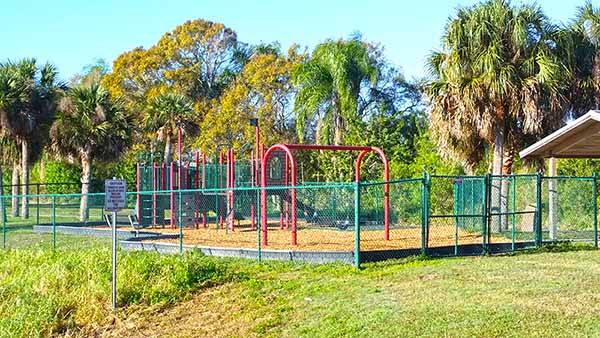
{"x":329,"y":87}
{"x":90,"y":126}
{"x":580,"y":49}
{"x":28,"y":116}
{"x":166,"y":114}
{"x":497,"y":82}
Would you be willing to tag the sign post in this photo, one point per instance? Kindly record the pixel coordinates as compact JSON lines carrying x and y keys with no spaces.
{"x":114,"y":200}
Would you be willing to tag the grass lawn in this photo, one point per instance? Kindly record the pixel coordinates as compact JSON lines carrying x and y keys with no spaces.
{"x":66,"y":293}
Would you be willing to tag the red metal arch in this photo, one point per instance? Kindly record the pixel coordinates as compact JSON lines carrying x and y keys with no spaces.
{"x":287,"y":148}
{"x":263,"y":194}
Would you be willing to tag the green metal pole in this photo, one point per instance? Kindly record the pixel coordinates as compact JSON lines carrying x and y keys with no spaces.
{"x":456,"y":213}
{"x":357,"y":225}
{"x":3,"y":220}
{"x":538,"y":202}
{"x":485,"y":210}
{"x":514,"y":209}
{"x":54,"y":223}
{"x":595,"y":209}
{"x":37,"y":216}
{"x":462,"y":204}
{"x":4,"y":217}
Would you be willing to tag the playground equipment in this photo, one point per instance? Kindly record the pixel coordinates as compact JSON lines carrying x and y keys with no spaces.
{"x":286,"y":149}
{"x":165,"y":188}
{"x":168,"y":185}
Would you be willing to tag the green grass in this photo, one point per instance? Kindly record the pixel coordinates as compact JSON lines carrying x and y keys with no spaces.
{"x":45,"y":292}
{"x":548,"y":292}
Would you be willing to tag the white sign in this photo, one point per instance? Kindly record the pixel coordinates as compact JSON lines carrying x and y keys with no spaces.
{"x":115,"y":195}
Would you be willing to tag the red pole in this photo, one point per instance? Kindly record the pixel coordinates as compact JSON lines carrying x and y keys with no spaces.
{"x":163,"y":176}
{"x":197,"y":186}
{"x":204,"y":186}
{"x":172,"y":187}
{"x":252,"y":178}
{"x":220,"y":189}
{"x":153,"y":195}
{"x":227,"y":191}
{"x":287,"y":204}
{"x":232,"y":175}
{"x":282,"y":207}
{"x":263,"y":215}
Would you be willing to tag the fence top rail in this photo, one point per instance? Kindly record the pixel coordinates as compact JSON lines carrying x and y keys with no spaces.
{"x":575,"y":178}
{"x":458,"y":176}
{"x":184,"y":191}
{"x":404,"y":180}
{"x":512,"y":175}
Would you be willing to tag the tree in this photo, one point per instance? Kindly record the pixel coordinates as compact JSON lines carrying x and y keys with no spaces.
{"x":91,"y":125}
{"x":91,"y":74}
{"x":497,"y":82}
{"x":9,"y":96}
{"x":167,"y":113}
{"x":28,"y":117}
{"x":197,"y":59}
{"x":8,"y":152}
{"x":329,"y":84}
{"x":497,"y":79}
{"x":580,"y":50}
{"x":263,"y":89}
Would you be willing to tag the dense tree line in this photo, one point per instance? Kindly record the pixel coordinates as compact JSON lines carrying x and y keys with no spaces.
{"x":504,"y":76}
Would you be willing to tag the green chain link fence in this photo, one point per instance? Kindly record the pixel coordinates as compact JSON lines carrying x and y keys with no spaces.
{"x":433,"y":215}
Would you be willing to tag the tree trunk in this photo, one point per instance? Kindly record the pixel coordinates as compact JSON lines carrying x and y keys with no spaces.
{"x":496,"y":184}
{"x":24,"y":179}
{"x":596,"y":77}
{"x":507,"y":162}
{"x":86,"y":177}
{"x":168,"y":149}
{"x":15,"y":190}
{"x":42,"y":170}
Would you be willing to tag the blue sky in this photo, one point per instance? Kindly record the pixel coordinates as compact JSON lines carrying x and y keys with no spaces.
{"x":72,"y":33}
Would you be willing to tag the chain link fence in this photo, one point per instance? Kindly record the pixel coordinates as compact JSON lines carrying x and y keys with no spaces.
{"x":351,"y":222}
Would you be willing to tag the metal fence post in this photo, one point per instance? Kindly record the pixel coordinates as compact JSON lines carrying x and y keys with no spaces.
{"x":3,"y":220}
{"x":595,"y":203}
{"x":37,"y":214}
{"x":514,"y":210}
{"x":357,"y":224}
{"x":425,"y":213}
{"x":538,"y":203}
{"x":485,"y":211}
{"x":53,"y":222}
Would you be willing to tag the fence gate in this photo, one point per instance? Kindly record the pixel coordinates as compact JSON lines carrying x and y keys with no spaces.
{"x":513,"y":212}
{"x":457,"y":215}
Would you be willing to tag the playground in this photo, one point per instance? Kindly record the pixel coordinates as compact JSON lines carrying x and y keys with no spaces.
{"x":260,"y":204}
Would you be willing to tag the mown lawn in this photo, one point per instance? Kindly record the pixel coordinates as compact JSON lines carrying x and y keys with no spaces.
{"x":66,"y":293}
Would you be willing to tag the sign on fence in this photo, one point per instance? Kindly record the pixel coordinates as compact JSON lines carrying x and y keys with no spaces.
{"x":115,"y":195}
